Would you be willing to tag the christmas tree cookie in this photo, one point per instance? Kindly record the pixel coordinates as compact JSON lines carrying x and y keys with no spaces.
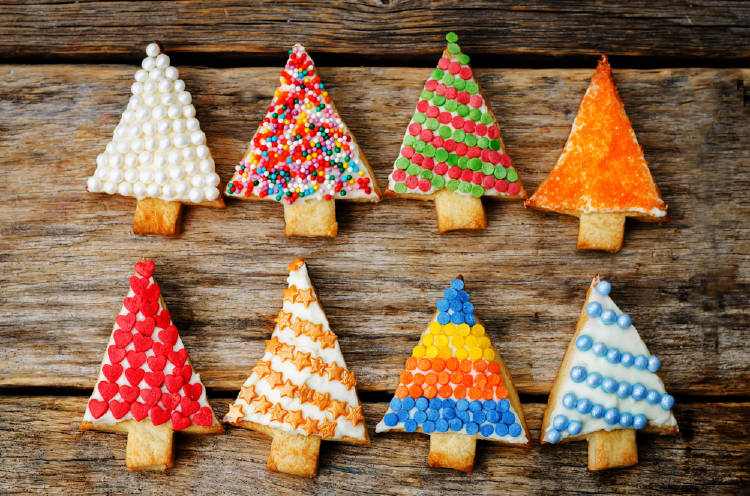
{"x":304,"y":155}
{"x":456,"y":388}
{"x":607,"y":387}
{"x":158,"y":153}
{"x":601,"y":176}
{"x":147,"y":386}
{"x":453,"y":150}
{"x":301,"y":391}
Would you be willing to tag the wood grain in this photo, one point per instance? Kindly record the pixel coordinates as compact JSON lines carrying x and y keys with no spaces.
{"x":43,"y":451}
{"x":65,"y":255}
{"x":376,"y":29}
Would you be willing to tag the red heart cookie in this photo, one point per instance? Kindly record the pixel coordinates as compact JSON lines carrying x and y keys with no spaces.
{"x":149,"y":308}
{"x":188,"y":406}
{"x":119,"y":408}
{"x":128,"y":393}
{"x":133,"y":304}
{"x":163,"y":319}
{"x":178,"y":357}
{"x":169,"y":335}
{"x":151,"y":396}
{"x":146,"y":326}
{"x":134,"y":376}
{"x":125,"y":322}
{"x":156,"y":363}
{"x":151,"y":293}
{"x":142,"y":343}
{"x":108,"y":390}
{"x":179,"y":422}
{"x":112,"y":372}
{"x":98,"y":408}
{"x":158,"y":416}
{"x":162,"y":350}
{"x":154,"y":379}
{"x":122,"y":338}
{"x":145,"y":268}
{"x":170,"y":401}
{"x":115,"y":354}
{"x":203,"y":417}
{"x":173,"y":382}
{"x":186,"y":372}
{"x":193,"y":391}
{"x":135,"y":358}
{"x":139,"y":411}
{"x":138,"y":284}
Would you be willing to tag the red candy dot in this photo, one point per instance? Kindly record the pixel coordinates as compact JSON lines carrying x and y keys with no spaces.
{"x":476,"y":101}
{"x":486,"y":154}
{"x":504,"y":159}
{"x":463,"y":97}
{"x":444,"y":117}
{"x":423,"y":105}
{"x":425,"y":135}
{"x":454,"y":68}
{"x":443,"y":63}
{"x":458,"y":122}
{"x":411,"y":182}
{"x":467,"y":174}
{"x":440,"y":90}
{"x":417,"y":158}
{"x":451,"y":93}
{"x":473,"y":152}
{"x":469,"y":126}
{"x":478,"y":177}
{"x":501,"y":185}
{"x":437,"y":142}
{"x":425,"y":185}
{"x":399,"y":175}
{"x":432,"y":111}
{"x":428,"y":163}
{"x":493,"y":132}
{"x":493,"y":157}
{"x":449,"y":145}
{"x":488,"y":182}
{"x":465,"y":72}
{"x":441,"y":168}
{"x":461,"y":149}
{"x":431,"y":85}
{"x":454,"y":172}
{"x":513,"y":189}
{"x":414,"y":128}
{"x":407,"y":151}
{"x":481,"y":129}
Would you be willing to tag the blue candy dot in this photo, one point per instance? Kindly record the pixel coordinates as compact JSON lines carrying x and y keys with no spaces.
{"x":597,"y":411}
{"x":390,"y":419}
{"x":493,"y":416}
{"x":609,"y":385}
{"x":449,"y":413}
{"x":457,"y":284}
{"x":639,"y":391}
{"x":433,"y":414}
{"x":443,"y":305}
{"x":623,"y":321}
{"x":456,"y":305}
{"x":403,"y":415}
{"x":594,"y":309}
{"x":435,"y":403}
{"x":457,"y":318}
{"x":654,"y":364}
{"x":449,"y":403}
{"x":420,"y":416}
{"x":456,"y":424}
{"x":463,"y":295}
{"x":584,"y":342}
{"x":475,"y":406}
{"x":407,"y":403}
{"x":613,"y":355}
{"x":626,"y":419}
{"x":594,"y":379}
{"x":653,"y":397}
{"x":574,"y":427}
{"x":486,"y":430}
{"x":640,"y":362}
{"x":553,"y":436}
{"x":639,"y":421}
{"x":584,"y":405}
{"x":489,"y":405}
{"x":501,"y":429}
{"x":470,"y":320}
{"x":569,"y":400}
{"x":599,"y":349}
{"x":578,"y":374}
{"x":478,"y":417}
{"x":395,"y":404}
{"x":667,"y":401}
{"x":603,"y":288}
{"x":472,"y":428}
{"x":609,"y":316}
{"x":463,"y":415}
{"x":450,"y":293}
{"x":462,"y":404}
{"x":627,"y":359}
{"x":508,"y":418}
{"x":612,"y":416}
{"x":443,"y":318}
{"x":410,"y":426}
{"x":441,"y":425}
{"x":468,"y":308}
{"x":624,"y":390}
{"x":560,"y":422}
{"x":514,"y":429}
{"x":504,"y":405}
{"x":428,"y":427}
{"x":422,"y":403}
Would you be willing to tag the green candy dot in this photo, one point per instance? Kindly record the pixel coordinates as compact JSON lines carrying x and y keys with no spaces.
{"x":471,"y":87}
{"x":419,"y":118}
{"x":454,"y":48}
{"x":459,"y":135}
{"x":487,"y":168}
{"x":448,"y":78}
{"x":426,"y":94}
{"x":462,"y":110}
{"x":465,"y":187}
{"x":451,"y":37}
{"x":451,"y":105}
{"x":409,"y":140}
{"x":437,"y":74}
{"x":453,"y":184}
{"x":399,"y":188}
{"x":463,"y":59}
{"x":475,"y":114}
{"x":512,"y":175}
{"x":486,"y":119}
{"x":441,"y":155}
{"x":419,"y":146}
{"x":463,"y":162}
{"x":402,"y":163}
{"x":470,"y":140}
{"x":413,"y":170}
{"x":475,"y":164}
{"x":452,"y":159}
{"x":438,"y":100}
{"x":432,"y":124}
{"x":500,"y":172}
{"x":494,"y":144}
{"x":477,"y":191}
{"x":438,"y":182}
{"x":459,"y":84}
{"x":426,"y":174}
{"x":429,"y":150}
{"x":444,"y":132}
{"x":483,"y":142}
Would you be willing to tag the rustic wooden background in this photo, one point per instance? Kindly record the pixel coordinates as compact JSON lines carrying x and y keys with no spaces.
{"x":65,"y":255}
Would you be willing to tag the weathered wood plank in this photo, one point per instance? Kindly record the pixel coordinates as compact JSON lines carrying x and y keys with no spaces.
{"x":40,"y":442}
{"x":65,"y":255}
{"x":375,"y":29}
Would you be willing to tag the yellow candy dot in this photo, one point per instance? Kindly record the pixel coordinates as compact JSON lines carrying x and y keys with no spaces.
{"x":475,"y":353}
{"x":324,"y":93}
{"x":477,"y":330}
{"x":442,"y":340}
{"x":463,"y":329}
{"x":432,"y":352}
{"x":462,"y":354}
{"x":457,"y":341}
{"x":444,"y":352}
{"x":484,"y":342}
{"x":418,"y":351}
{"x":316,"y":187}
{"x":435,"y":328}
{"x":427,"y":339}
{"x":361,"y":173}
{"x":471,"y":341}
{"x":489,"y":354}
{"x":449,"y":329}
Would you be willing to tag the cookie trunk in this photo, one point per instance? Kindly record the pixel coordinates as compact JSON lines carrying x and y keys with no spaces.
{"x":311,"y":218}
{"x":457,"y":211}
{"x":150,"y":447}
{"x":294,"y":454}
{"x":612,"y":449}
{"x":601,"y":231}
{"x":154,"y":216}
{"x":451,"y":450}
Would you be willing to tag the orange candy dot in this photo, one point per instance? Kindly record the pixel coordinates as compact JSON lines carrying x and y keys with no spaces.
{"x":465,"y":365}
{"x":475,"y":393}
{"x":459,"y":392}
{"x":406,"y":377}
{"x":494,"y":367}
{"x":411,"y":363}
{"x":446,"y":391}
{"x":430,"y":392}
{"x":457,"y":377}
{"x":438,"y":364}
{"x":415,"y":391}
{"x":488,"y":393}
{"x":418,"y":379}
{"x":502,"y":392}
{"x":468,"y":380}
{"x":402,"y":392}
{"x":480,"y":365}
{"x":452,"y":363}
{"x":494,"y":380}
{"x":424,"y":364}
{"x":431,"y":378}
{"x":480,"y":381}
{"x":443,"y":377}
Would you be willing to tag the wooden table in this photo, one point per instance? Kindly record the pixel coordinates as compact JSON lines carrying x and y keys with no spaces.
{"x":65,"y":255}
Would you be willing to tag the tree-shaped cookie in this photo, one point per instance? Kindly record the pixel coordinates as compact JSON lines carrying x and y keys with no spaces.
{"x":304,"y":155}
{"x":601,"y":176}
{"x":607,"y":387}
{"x":301,"y":391}
{"x":456,"y":388}
{"x":453,"y":151}
{"x":158,"y":153}
{"x":147,"y":386}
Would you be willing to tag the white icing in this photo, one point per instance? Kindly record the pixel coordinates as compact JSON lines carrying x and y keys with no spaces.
{"x":157,"y":133}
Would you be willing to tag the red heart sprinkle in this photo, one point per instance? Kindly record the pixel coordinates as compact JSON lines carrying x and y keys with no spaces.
{"x":108,"y":390}
{"x":186,"y":372}
{"x":188,"y":406}
{"x":142,"y":343}
{"x":122,"y":338}
{"x":151,"y":396}
{"x":179,"y":422}
{"x":133,"y":304}
{"x":112,"y":372}
{"x":163,"y":320}
{"x":129,"y":394}
{"x":136,"y":359}
{"x":170,"y":401}
{"x":193,"y":391}
{"x":125,"y":322}
{"x":145,"y":327}
{"x":119,"y":408}
{"x":156,"y":363}
{"x":145,"y":268}
{"x":152,"y":293}
{"x":139,"y":411}
{"x":162,"y":350}
{"x":168,"y":335}
{"x":97,"y":408}
{"x":173,"y":382}
{"x":134,"y":376}
{"x":115,"y":354}
{"x":178,"y":357}
{"x":204,"y":417}
{"x":138,"y":285}
{"x":149,"y":308}
{"x":154,"y":378}
{"x":158,"y":416}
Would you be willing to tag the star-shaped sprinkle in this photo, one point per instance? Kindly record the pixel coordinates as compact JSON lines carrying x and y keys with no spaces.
{"x":321,"y":400}
{"x":248,"y":394}
{"x":273,"y":345}
{"x":287,"y":389}
{"x":347,"y":379}
{"x":327,"y":340}
{"x":294,"y":418}
{"x":305,"y":393}
{"x":273,"y":378}
{"x":301,"y":360}
{"x":310,"y":426}
{"x":290,"y":293}
{"x":336,"y":408}
{"x":314,"y":331}
{"x":327,"y":429}
{"x":354,"y":415}
{"x":317,"y":365}
{"x":284,"y":320}
{"x":235,"y":413}
{"x":305,"y":296}
{"x":277,"y":412}
{"x":285,"y":352}
{"x":262,"y":369}
{"x":261,"y":405}
{"x":298,"y":327}
{"x":333,"y":371}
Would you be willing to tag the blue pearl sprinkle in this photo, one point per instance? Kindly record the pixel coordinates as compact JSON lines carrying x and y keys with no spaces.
{"x":456,"y":424}
{"x":501,"y":430}
{"x":574,"y":427}
{"x":441,"y":425}
{"x":462,"y":404}
{"x":584,"y":405}
{"x":503,"y":405}
{"x":408,"y":403}
{"x":475,"y":406}
{"x":597,"y":411}
{"x":613,"y":355}
{"x":468,"y":307}
{"x":653,"y":397}
{"x":603,"y":288}
{"x":609,"y":385}
{"x":456,"y":305}
{"x":508,"y":418}
{"x":449,"y":403}
{"x":623,"y":321}
{"x":391,"y":419}
{"x":478,"y":417}
{"x":609,"y":316}
{"x":443,"y":318}
{"x":639,"y":421}
{"x":493,"y":416}
{"x":578,"y":374}
{"x":470,"y":319}
{"x":584,"y":342}
{"x":599,"y":349}
{"x":463,"y":415}
{"x":667,"y":401}
{"x":449,"y":413}
{"x":395,"y":404}
{"x":436,"y":403}
{"x":594,"y":309}
{"x":420,"y":416}
{"x":560,"y":422}
{"x":639,"y":391}
{"x":624,"y":390}
{"x":612,"y":416}
{"x":463,"y":295}
{"x":626,"y":419}
{"x":569,"y":400}
{"x":428,"y":427}
{"x":433,"y":414}
{"x":553,"y":436}
{"x":514,"y":429}
{"x":457,"y":318}
{"x":489,"y":405}
{"x":403,"y":415}
{"x":457,"y":284}
{"x":627,"y":359}
{"x":594,"y":379}
{"x":422,"y":403}
{"x":472,"y":428}
{"x":486,"y":430}
{"x":443,"y":305}
{"x":640,"y":362}
{"x":450,"y":293}
{"x":654,"y":364}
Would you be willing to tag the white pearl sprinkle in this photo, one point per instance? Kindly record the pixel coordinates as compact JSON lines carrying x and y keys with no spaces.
{"x":212,"y":179}
{"x":141,"y":75}
{"x":163,"y":126}
{"x":150,"y":143}
{"x":181,"y":187}
{"x":196,"y":195}
{"x":179,"y":85}
{"x":139,"y":190}
{"x":171,"y":73}
{"x":162,"y":61}
{"x":153,"y":190}
{"x":148,"y":63}
{"x":191,"y":168}
{"x":131,"y":176}
{"x":197,"y":137}
{"x":188,"y":153}
{"x":197,"y":181}
{"x":136,"y":88}
{"x":211,"y":193}
{"x":152,"y":50}
{"x":110,"y":188}
{"x":202,"y":151}
{"x":94,"y":185}
{"x":168,"y":190}
{"x":150,"y":100}
{"x":176,"y":172}
{"x":125,"y":189}
{"x":160,"y":177}
{"x":174,"y":158}
{"x":206,"y":165}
